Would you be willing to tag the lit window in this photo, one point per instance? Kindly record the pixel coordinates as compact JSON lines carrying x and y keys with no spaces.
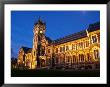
{"x":81,"y":44}
{"x":60,"y":49}
{"x":23,"y":58}
{"x":87,"y":43}
{"x":48,"y":50}
{"x":73,"y":47}
{"x":88,"y":56}
{"x":74,"y":58}
{"x":76,"y":46}
{"x":81,"y":57}
{"x":84,"y":44}
{"x":34,"y":53}
{"x":96,"y":54}
{"x":68,"y":59}
{"x":94,"y":39}
{"x":67,"y":48}
{"x":63,"y":48}
{"x":56,"y":50}
{"x":98,"y":37}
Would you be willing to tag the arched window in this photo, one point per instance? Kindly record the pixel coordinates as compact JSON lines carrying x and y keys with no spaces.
{"x":73,"y":47}
{"x":63,"y":58}
{"x":34,"y":53}
{"x":81,"y":44}
{"x":81,"y":57}
{"x":63,"y":48}
{"x":98,"y":37}
{"x":74,"y":58}
{"x":48,"y":50}
{"x":56,"y":59}
{"x":23,"y":57}
{"x":94,"y":39}
{"x":56,"y":50}
{"x":68,"y":58}
{"x":96,"y":54}
{"x":67,"y":48}
{"x":87,"y":43}
{"x":88,"y":56}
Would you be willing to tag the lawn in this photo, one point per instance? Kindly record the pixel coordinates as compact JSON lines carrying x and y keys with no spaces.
{"x":55,"y":73}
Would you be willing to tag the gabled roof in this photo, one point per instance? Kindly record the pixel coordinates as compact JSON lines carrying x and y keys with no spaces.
{"x":94,"y":27}
{"x":48,"y":39}
{"x":78,"y":35}
{"x":71,"y":37}
{"x":40,"y":22}
{"x":29,"y":50}
{"x":26,"y":49}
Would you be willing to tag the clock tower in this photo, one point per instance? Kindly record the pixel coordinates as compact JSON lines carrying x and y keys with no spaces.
{"x":39,"y":41}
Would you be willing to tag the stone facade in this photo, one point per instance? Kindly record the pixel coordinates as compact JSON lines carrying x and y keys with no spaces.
{"x":76,"y":51}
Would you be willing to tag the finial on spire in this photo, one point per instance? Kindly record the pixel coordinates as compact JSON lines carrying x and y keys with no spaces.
{"x":35,"y":21}
{"x":39,"y":19}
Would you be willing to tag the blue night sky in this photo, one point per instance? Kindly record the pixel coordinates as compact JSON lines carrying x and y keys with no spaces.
{"x":58,"y":24}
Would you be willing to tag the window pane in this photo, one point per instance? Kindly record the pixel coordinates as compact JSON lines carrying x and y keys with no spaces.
{"x":94,"y":39}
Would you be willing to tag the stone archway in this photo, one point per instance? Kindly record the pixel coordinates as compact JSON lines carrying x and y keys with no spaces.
{"x":42,"y":61}
{"x":28,"y":63}
{"x":81,"y":56}
{"x":74,"y":61}
{"x":68,"y":59}
{"x":81,"y":59}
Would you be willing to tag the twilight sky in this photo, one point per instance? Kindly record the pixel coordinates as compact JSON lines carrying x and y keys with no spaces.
{"x":58,"y":24}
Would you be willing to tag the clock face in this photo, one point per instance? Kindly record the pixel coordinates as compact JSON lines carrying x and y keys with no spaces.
{"x":41,"y":32}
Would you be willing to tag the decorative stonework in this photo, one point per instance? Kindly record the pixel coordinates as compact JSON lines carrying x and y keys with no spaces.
{"x":73,"y":51}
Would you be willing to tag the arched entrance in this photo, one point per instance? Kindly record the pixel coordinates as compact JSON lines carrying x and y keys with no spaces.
{"x":28,"y":64}
{"x":81,"y":60}
{"x":42,"y":61}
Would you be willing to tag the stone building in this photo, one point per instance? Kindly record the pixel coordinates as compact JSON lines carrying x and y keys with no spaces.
{"x":76,"y":51}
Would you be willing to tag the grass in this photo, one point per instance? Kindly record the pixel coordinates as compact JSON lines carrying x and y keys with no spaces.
{"x":55,"y":73}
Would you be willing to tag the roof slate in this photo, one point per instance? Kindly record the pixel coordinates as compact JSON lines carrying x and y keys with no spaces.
{"x":78,"y":35}
{"x":26,"y":49}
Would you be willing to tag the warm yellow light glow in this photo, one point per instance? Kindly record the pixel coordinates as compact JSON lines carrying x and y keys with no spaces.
{"x":41,"y":32}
